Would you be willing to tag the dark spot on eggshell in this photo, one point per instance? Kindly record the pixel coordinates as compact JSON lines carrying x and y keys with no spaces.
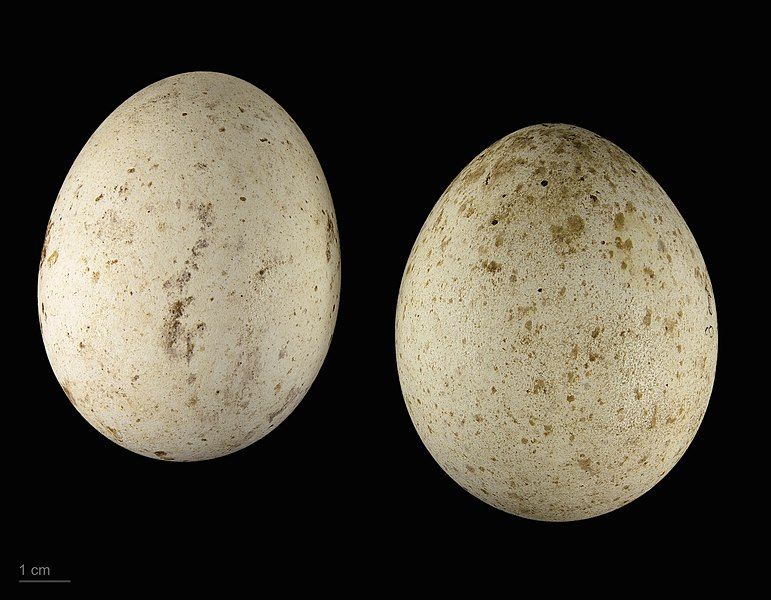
{"x":586,"y":465}
{"x":173,"y":331}
{"x":566,"y":235}
{"x":289,"y":401}
{"x":45,"y":242}
{"x":205,"y":212}
{"x":114,"y":434}
{"x":491,"y":266}
{"x":331,"y":237}
{"x":53,"y":258}
{"x":199,"y":246}
{"x":68,"y":394}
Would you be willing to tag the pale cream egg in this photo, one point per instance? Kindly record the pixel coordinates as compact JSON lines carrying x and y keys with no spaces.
{"x":556,"y":329}
{"x":189,"y":281}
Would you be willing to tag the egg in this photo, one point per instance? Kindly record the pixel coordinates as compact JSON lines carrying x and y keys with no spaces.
{"x":556,"y":331}
{"x":189,"y":279}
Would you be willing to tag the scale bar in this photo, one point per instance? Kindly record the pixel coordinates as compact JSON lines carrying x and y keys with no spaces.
{"x":45,"y":580}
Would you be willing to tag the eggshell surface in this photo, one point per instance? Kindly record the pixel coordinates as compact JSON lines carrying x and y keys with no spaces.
{"x":556,"y":331}
{"x":189,"y":280}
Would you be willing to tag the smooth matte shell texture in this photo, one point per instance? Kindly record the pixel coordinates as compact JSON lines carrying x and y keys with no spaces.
{"x":189,"y":280}
{"x":556,"y":331}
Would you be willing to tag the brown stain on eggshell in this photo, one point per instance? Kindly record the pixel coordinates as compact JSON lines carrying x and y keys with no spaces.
{"x":609,"y":283}
{"x":182,"y":246}
{"x":565,"y":235}
{"x":46,"y":239}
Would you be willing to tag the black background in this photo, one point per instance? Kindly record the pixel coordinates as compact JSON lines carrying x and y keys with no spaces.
{"x":393,"y":116}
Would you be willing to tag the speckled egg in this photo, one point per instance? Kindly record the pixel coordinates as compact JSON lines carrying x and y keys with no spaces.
{"x":189,"y":280}
{"x":556,"y":331}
